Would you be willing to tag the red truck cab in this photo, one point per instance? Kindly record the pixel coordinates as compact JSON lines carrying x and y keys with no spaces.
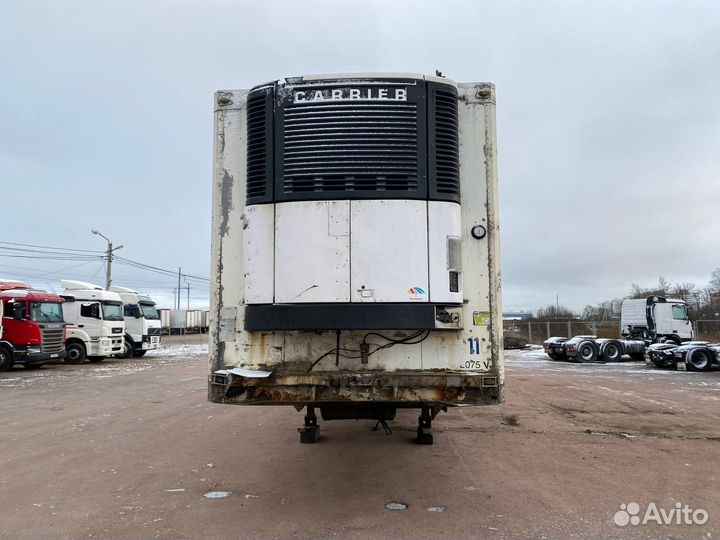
{"x":32,"y":331}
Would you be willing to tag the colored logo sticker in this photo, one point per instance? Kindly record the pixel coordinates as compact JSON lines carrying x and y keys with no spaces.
{"x":416,"y":293}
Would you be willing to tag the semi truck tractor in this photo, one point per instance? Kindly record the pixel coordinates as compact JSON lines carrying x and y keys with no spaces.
{"x":96,"y":325}
{"x":32,"y":330}
{"x":690,"y":355}
{"x":142,"y":323}
{"x":642,"y":322}
{"x":355,"y":248}
{"x":591,"y":348}
{"x":656,"y":319}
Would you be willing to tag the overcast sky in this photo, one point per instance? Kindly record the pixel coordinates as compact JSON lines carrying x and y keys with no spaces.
{"x":608,"y":127}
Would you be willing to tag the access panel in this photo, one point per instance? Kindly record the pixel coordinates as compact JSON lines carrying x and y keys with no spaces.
{"x":389,"y":251}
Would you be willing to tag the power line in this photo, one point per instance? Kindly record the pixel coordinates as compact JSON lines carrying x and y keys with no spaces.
{"x":50,"y":247}
{"x":39,"y":252}
{"x":136,"y":264}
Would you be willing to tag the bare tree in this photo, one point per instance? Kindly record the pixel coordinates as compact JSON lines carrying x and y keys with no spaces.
{"x":687,"y":292}
{"x":555,"y":313}
{"x":715,"y":280}
{"x":663,"y":286}
{"x":662,"y":289}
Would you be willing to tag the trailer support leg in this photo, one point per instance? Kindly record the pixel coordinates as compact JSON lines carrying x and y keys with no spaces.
{"x":310,"y":432}
{"x":424,"y":430}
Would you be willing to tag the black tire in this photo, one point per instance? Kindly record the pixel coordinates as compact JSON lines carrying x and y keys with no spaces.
{"x":612,"y":352}
{"x":637,"y":357}
{"x":33,"y":366}
{"x":553,"y":356}
{"x":138,"y":353}
{"x":699,"y":360}
{"x":75,"y":353}
{"x":586,"y":352}
{"x":659,"y":363}
{"x":95,"y":359}
{"x":127,"y":350}
{"x":6,"y":359}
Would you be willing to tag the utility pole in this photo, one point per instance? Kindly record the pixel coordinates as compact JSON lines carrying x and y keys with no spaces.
{"x":178,"y":288}
{"x":108,"y":258}
{"x":188,"y":296}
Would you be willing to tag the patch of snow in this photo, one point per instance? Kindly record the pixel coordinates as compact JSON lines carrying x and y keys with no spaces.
{"x":534,"y":353}
{"x":217,"y":494}
{"x":193,"y":349}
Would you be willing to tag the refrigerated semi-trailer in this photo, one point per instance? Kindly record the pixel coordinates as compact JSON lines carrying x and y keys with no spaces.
{"x":355,"y":248}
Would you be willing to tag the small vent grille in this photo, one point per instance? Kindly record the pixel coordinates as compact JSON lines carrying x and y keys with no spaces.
{"x":259,"y":147}
{"x":351,"y":147}
{"x":445,"y":177}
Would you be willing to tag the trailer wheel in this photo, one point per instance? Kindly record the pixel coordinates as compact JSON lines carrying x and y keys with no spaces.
{"x":553,"y":356}
{"x":127,"y":349}
{"x":75,"y":353}
{"x":138,"y":353}
{"x":6,"y":359}
{"x":659,"y":363}
{"x":699,"y":360}
{"x":637,"y":357}
{"x":612,"y":352}
{"x":587,"y":352}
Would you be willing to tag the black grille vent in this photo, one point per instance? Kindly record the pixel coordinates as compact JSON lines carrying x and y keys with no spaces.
{"x":259,"y":149}
{"x":370,"y":139}
{"x":353,"y":149}
{"x":444,"y":151}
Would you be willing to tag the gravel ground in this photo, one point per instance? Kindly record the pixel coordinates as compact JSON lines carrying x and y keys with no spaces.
{"x":132,"y":449}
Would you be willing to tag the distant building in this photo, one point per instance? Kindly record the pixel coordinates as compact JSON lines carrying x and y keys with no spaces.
{"x":516,"y":316}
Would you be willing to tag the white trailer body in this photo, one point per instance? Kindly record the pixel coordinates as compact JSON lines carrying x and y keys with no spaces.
{"x":165,"y":319}
{"x":95,"y":322}
{"x":655,"y":319}
{"x":142,"y":322}
{"x":355,"y":247}
{"x":179,"y":319}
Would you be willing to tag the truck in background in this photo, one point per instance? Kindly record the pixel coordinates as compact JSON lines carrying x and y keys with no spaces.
{"x":586,"y":349}
{"x":32,"y":330}
{"x":688,"y":356}
{"x":355,"y":248}
{"x":142,"y":323}
{"x":656,"y":320}
{"x":642,"y":322}
{"x":95,"y":320}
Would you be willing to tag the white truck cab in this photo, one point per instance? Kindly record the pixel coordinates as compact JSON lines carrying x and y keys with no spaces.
{"x":95,"y":322}
{"x":142,"y":323}
{"x":656,"y":319}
